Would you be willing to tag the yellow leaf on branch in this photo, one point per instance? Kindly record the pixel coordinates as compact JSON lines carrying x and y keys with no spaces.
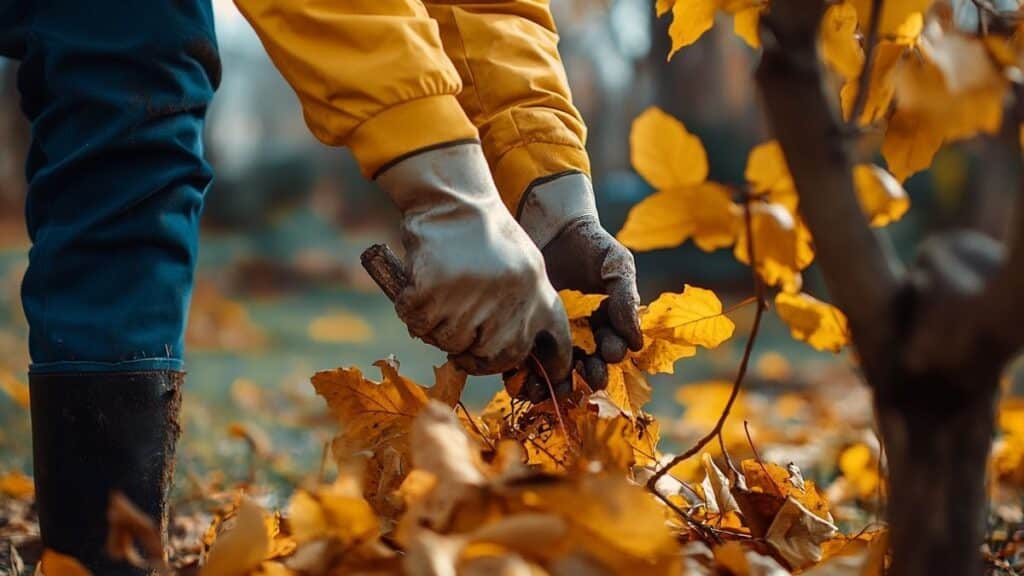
{"x":839,"y":44}
{"x":895,"y":13}
{"x":951,"y":90}
{"x":911,"y":141}
{"x":881,"y":196}
{"x":668,"y":218}
{"x":810,"y":320}
{"x":881,"y":88}
{"x":782,"y":245}
{"x":690,"y":20}
{"x":664,"y":152}
{"x":768,"y":175}
{"x":675,"y":324}
{"x":685,"y":205}
{"x":745,"y":24}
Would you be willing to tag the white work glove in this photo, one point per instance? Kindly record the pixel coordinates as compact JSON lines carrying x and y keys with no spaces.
{"x":477,"y":289}
{"x":560,"y":216}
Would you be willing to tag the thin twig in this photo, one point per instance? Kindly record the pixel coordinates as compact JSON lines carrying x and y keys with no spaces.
{"x":472,"y":422}
{"x":758,"y":459}
{"x":864,"y":82}
{"x":728,"y":459}
{"x":740,"y":374}
{"x":705,"y":532}
{"x":554,"y":398}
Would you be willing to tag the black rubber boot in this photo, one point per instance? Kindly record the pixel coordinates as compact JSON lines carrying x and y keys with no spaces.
{"x":93,"y":434}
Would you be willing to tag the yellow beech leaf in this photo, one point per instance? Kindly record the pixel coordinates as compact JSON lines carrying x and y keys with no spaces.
{"x":375,"y":419}
{"x":810,"y":320}
{"x":579,"y":307}
{"x":839,"y":45}
{"x":340,"y":327}
{"x":888,"y":55}
{"x":615,"y":521}
{"x":694,"y":317}
{"x":690,"y":20}
{"x":54,"y":563}
{"x":627,"y":388}
{"x":606,"y":441}
{"x":881,"y":196}
{"x":745,"y":24}
{"x":910,"y":144}
{"x":768,"y":175}
{"x":668,"y":218}
{"x":336,"y":511}
{"x":954,"y":83}
{"x":660,"y":355}
{"x":449,"y":380}
{"x":949,"y":91}
{"x":909,"y":32}
{"x":240,"y":549}
{"x":782,"y":245}
{"x":895,"y":13}
{"x":769,"y":478}
{"x":674,"y":324}
{"x":663,"y":151}
{"x":661,"y":7}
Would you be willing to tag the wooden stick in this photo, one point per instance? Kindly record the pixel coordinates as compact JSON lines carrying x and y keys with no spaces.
{"x":386,"y":269}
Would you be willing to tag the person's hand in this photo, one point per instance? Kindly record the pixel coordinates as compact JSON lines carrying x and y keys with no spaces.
{"x":477,"y":287}
{"x":581,"y":255}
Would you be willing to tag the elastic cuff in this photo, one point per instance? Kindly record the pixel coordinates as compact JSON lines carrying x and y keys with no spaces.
{"x":518,"y":168}
{"x":408,"y":127}
{"x":551,"y":204}
{"x":140,"y":365}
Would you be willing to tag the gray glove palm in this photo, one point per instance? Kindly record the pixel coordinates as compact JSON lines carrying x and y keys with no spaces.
{"x":478,"y":288}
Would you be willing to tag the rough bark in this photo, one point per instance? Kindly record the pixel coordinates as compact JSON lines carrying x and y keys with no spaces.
{"x":932,"y":341}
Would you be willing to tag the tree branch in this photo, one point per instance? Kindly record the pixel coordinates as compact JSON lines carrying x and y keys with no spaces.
{"x":864,"y":83}
{"x":861,"y":271}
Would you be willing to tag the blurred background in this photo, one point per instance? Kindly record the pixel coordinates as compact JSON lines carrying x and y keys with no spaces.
{"x":280,"y":291}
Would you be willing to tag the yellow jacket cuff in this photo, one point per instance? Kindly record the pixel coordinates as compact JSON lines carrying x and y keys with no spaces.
{"x":407,"y":127}
{"x":520,"y":166}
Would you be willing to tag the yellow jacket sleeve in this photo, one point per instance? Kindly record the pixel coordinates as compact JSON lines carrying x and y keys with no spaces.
{"x":514,"y":89}
{"x":370,"y":74}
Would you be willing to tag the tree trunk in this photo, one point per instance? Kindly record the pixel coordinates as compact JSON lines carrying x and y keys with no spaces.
{"x":937,"y":445}
{"x":933,"y":341}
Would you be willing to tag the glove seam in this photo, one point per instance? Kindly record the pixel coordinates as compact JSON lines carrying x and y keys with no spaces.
{"x":418,"y":151}
{"x":540,"y":182}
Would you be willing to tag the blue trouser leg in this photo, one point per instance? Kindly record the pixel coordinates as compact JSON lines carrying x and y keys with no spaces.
{"x":116,"y":92}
